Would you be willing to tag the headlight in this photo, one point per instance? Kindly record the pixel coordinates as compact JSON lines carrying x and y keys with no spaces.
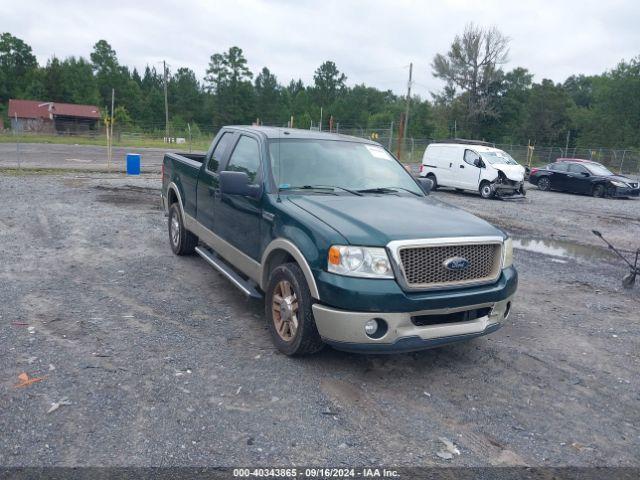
{"x":507,"y":253}
{"x":618,"y":184}
{"x":359,"y":262}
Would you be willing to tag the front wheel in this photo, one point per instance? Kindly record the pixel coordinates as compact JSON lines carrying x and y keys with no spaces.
{"x":288,"y":312}
{"x":598,"y":190}
{"x":486,"y":191}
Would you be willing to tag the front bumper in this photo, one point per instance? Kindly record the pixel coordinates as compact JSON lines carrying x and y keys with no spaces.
{"x":344,"y":329}
{"x":624,"y":192}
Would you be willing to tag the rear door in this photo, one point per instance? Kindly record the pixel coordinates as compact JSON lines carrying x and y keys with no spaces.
{"x":208,"y":182}
{"x":558,"y":175}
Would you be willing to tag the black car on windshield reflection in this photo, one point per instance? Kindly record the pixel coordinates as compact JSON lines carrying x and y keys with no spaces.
{"x":583,"y":176}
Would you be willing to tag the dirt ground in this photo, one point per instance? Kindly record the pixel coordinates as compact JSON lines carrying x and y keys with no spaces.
{"x":163,"y":362}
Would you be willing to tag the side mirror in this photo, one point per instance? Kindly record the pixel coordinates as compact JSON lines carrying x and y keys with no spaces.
{"x":237,"y":183}
{"x":478,"y":163}
{"x":426,"y":184}
{"x":585,"y":174}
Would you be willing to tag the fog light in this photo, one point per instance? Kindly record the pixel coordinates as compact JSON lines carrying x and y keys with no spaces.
{"x":371,"y":327}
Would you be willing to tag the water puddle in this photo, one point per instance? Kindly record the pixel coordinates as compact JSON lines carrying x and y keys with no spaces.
{"x":561,"y":249}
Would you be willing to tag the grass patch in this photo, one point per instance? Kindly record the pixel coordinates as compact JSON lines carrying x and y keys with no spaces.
{"x":101,"y":141}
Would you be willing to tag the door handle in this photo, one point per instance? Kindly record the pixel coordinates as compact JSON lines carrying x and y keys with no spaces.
{"x":450,"y":165}
{"x":461,"y":166}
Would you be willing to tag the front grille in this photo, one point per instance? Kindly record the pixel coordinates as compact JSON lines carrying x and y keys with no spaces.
{"x":424,"y":266}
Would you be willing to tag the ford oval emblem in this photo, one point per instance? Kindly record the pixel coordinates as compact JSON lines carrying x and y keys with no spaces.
{"x":456,"y":263}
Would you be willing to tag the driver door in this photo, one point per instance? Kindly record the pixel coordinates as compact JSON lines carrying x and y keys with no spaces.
{"x":468,"y":173}
{"x":578,"y":180}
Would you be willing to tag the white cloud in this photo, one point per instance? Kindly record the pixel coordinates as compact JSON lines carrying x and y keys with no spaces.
{"x":372,"y":42}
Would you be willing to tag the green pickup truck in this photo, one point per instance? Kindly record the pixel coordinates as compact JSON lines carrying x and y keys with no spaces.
{"x":343,"y":244}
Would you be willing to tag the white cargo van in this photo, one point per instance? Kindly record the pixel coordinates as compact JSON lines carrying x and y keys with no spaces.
{"x":468,"y":166}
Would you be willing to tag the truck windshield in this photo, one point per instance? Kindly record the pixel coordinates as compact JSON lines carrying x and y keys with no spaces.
{"x":498,"y":158}
{"x":344,"y":165}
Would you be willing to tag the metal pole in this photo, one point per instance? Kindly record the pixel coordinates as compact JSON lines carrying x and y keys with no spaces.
{"x":320,"y":124}
{"x":15,"y":132}
{"x":189,"y":127}
{"x":406,"y":115}
{"x":113,"y":94}
{"x":622,"y":161}
{"x":390,"y":135}
{"x":166,"y":104}
{"x":566,"y":148}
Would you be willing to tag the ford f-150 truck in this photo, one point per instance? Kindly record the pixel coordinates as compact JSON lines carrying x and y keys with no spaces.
{"x":343,"y":244}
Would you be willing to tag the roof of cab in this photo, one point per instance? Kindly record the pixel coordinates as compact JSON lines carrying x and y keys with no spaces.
{"x":298,"y":133}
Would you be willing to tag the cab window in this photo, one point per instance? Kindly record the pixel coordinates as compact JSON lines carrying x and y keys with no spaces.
{"x":218,"y":151}
{"x":470,"y":156}
{"x":246,"y":158}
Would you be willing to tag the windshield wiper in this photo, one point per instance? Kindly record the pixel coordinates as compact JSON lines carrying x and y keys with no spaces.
{"x":378,"y":190}
{"x":320,"y":187}
{"x":388,"y":190}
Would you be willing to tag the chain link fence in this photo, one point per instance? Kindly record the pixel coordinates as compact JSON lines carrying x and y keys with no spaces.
{"x":409,"y":150}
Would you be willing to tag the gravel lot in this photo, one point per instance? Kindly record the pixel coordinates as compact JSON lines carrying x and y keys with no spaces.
{"x":77,"y":157}
{"x":164,"y":363}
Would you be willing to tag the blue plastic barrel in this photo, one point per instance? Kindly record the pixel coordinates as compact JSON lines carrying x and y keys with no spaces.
{"x":133,"y":164}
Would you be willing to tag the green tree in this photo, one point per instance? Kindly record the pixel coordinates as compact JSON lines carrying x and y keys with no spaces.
{"x":328,"y":82}
{"x":16,"y":63}
{"x":229,"y":79}
{"x":547,"y":114}
{"x":472,"y":65}
{"x":268,"y":97}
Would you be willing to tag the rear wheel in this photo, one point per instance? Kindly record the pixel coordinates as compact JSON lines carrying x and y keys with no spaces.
{"x":182,"y":241}
{"x":432,"y":177}
{"x":598,"y":190}
{"x":288,"y":312}
{"x":544,"y":184}
{"x":485,"y":190}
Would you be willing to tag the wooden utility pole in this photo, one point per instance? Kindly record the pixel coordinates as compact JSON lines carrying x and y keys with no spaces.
{"x":400,"y":136}
{"x":406,"y":114}
{"x":113,"y":96}
{"x":166,"y":104}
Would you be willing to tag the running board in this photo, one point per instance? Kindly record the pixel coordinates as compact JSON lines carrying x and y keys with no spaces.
{"x":246,"y":286}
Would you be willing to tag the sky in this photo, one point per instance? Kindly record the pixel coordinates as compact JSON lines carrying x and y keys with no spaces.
{"x":372,"y":41}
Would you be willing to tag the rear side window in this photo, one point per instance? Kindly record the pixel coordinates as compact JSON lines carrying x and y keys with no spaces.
{"x":246,"y":158}
{"x":218,"y":151}
{"x":558,"y":167}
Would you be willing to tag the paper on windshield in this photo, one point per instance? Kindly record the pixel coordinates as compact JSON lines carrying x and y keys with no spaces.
{"x":378,"y":152}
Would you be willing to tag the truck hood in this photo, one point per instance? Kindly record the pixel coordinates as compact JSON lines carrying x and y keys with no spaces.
{"x":513,"y":172}
{"x":375,"y":220}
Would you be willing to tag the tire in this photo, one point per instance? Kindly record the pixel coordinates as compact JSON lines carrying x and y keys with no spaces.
{"x":293,"y":330}
{"x":544,"y":184}
{"x":432,"y":177}
{"x":182,"y":241}
{"x":486,"y":191}
{"x":598,"y":190}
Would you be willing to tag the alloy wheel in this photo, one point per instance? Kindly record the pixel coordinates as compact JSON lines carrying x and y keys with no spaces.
{"x":285,"y":310}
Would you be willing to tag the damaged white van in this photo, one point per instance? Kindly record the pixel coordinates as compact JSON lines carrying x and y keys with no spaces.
{"x":476,"y":167}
